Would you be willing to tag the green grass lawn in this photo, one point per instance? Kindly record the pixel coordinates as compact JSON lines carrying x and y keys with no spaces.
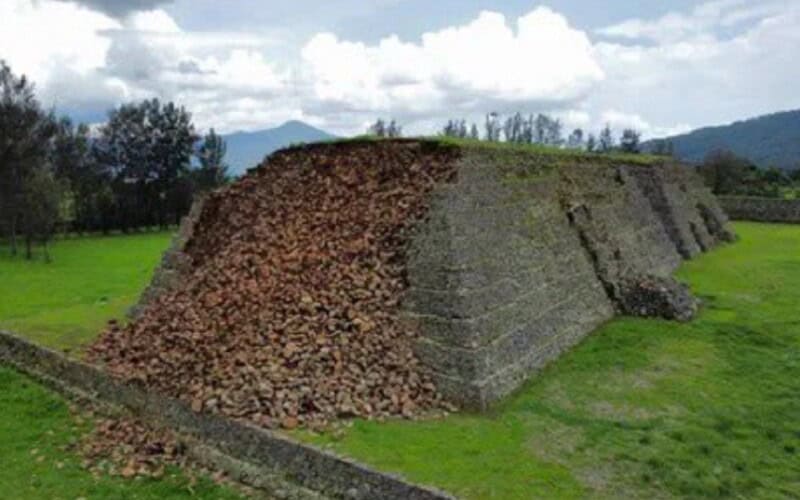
{"x":642,"y":408}
{"x":65,"y":304}
{"x":36,"y":427}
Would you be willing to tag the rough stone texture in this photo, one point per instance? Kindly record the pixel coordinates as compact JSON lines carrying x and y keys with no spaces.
{"x":261,"y":458}
{"x":656,"y":296}
{"x":521,"y":254}
{"x":518,"y":261}
{"x":761,"y":209}
{"x":289,"y":315}
{"x":688,"y":210}
{"x":175,"y":262}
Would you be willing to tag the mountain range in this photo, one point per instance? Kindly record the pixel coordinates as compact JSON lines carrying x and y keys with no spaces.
{"x":767,"y":141}
{"x":248,"y":149}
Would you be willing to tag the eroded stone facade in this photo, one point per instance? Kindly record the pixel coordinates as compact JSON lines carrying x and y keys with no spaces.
{"x":517,"y":262}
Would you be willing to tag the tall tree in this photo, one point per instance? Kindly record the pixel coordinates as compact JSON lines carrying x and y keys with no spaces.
{"x":394,"y":130}
{"x":575,"y":140}
{"x":591,"y":143}
{"x":605,"y":143}
{"x":73,"y":163}
{"x":540,"y":126}
{"x":449,"y":129}
{"x":41,"y":202}
{"x":630,"y":141}
{"x":528,"y":130}
{"x":378,"y":128}
{"x":493,"y":128}
{"x":456,"y":128}
{"x":553,"y":132}
{"x":25,"y":133}
{"x":147,"y":147}
{"x":508,"y":130}
{"x":474,"y":133}
{"x":213,"y":171}
{"x":724,"y":172}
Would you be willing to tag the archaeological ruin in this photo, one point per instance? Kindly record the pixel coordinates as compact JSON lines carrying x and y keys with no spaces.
{"x":376,"y":278}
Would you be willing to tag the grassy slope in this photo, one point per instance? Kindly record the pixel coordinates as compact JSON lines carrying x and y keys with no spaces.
{"x":551,"y":153}
{"x":64,"y":304}
{"x":642,"y":407}
{"x":35,"y":429}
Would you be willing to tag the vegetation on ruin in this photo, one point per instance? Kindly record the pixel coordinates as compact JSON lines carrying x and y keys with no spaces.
{"x":561,"y":154}
{"x":37,"y":434}
{"x":642,"y":407}
{"x":565,"y":154}
{"x":64,"y":304}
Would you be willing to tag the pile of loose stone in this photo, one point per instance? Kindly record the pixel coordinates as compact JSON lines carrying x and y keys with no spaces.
{"x":290,"y":314}
{"x":126,"y":447}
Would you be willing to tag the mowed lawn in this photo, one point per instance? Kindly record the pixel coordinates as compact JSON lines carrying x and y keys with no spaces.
{"x":642,"y":408}
{"x":64,"y":304}
{"x":37,"y":433}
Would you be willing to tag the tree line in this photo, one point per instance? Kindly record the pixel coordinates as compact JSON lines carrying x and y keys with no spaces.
{"x":545,"y":130}
{"x":728,"y":174}
{"x":722,"y":170}
{"x":140,"y":169}
{"x":534,"y":129}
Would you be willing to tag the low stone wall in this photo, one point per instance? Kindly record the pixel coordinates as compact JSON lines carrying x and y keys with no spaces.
{"x":761,"y":209}
{"x":265,"y":459}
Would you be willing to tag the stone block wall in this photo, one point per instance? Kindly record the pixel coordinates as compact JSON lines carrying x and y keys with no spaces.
{"x":761,"y":209}
{"x":499,"y":282}
{"x":517,"y":261}
{"x":523,"y":254}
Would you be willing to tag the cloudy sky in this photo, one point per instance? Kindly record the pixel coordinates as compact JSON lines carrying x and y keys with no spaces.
{"x":661,"y":67}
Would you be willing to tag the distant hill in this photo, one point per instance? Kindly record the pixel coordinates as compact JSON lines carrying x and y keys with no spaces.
{"x":767,"y":141}
{"x":248,"y":149}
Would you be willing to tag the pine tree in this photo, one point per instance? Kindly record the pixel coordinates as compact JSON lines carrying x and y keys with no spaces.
{"x":378,"y":128}
{"x":630,"y":141}
{"x":606,"y":140}
{"x":493,"y":128}
{"x":25,"y":134}
{"x":74,"y":165}
{"x":575,"y":140}
{"x":41,"y":202}
{"x":591,"y":143}
{"x":213,"y":171}
{"x":540,"y":126}
{"x":394,"y":130}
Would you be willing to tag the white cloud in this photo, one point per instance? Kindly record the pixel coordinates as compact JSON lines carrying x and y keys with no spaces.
{"x":41,"y":41}
{"x":697,"y":75}
{"x":723,"y":60}
{"x":676,"y":26}
{"x":620,"y":120}
{"x":152,"y":21}
{"x":475,"y":67}
{"x":142,"y":54}
{"x":119,"y":8}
